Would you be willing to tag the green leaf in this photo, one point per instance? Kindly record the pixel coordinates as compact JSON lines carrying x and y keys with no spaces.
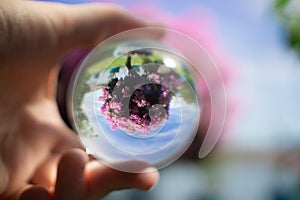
{"x":281,"y":3}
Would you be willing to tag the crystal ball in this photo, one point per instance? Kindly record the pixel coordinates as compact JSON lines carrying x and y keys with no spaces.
{"x":133,"y":103}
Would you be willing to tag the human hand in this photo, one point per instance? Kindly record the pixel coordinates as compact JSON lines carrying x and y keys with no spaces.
{"x":41,"y":158}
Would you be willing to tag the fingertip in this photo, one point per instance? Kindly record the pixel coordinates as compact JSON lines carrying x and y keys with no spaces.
{"x":74,"y":155}
{"x":102,"y":179}
{"x":148,"y":179}
{"x":72,"y":161}
{"x":70,"y":182}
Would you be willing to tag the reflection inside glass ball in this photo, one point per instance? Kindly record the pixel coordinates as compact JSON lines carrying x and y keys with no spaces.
{"x":135,"y":100}
{"x":138,"y":101}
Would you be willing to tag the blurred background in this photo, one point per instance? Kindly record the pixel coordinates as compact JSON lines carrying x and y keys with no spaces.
{"x":257,"y":47}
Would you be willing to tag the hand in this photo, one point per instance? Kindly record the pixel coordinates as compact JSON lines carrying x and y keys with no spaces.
{"x":40,"y":158}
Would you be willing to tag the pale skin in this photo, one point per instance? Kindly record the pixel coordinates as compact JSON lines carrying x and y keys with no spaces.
{"x":40,"y":157}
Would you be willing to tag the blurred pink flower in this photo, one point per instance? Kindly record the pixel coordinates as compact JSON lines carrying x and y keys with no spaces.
{"x":198,"y":24}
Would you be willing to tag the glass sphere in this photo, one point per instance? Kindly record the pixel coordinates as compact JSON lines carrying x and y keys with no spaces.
{"x":133,"y":103}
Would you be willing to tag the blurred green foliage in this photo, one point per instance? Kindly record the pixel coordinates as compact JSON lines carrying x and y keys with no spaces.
{"x":289,"y":13}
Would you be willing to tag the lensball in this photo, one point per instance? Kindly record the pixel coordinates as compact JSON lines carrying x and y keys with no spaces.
{"x":134,"y":102}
